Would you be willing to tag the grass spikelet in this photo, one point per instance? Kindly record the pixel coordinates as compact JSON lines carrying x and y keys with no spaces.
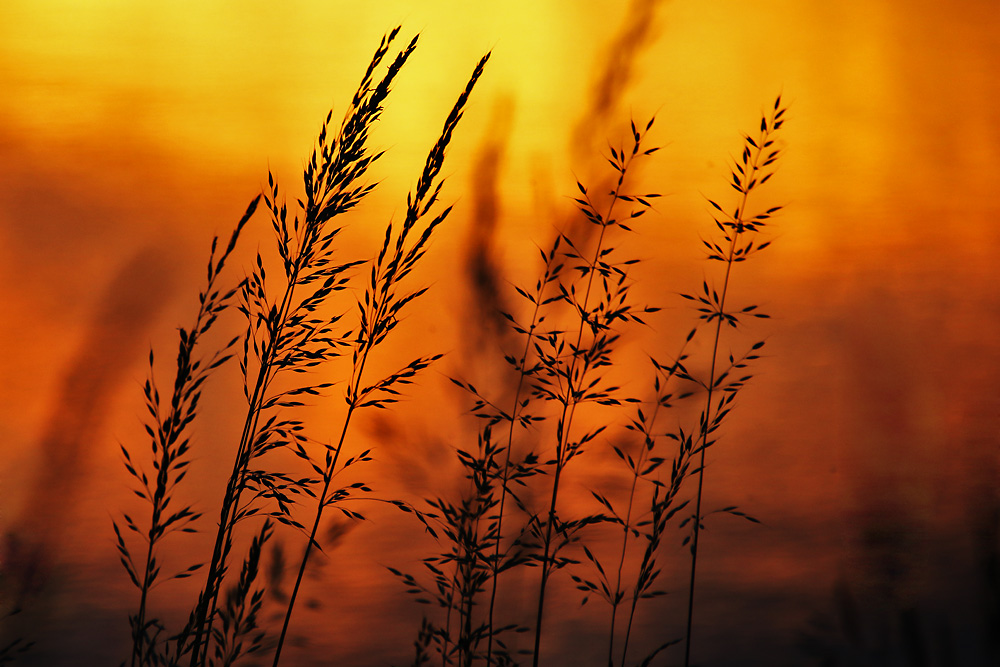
{"x":167,"y":426}
{"x":286,"y":333}
{"x":302,"y":306}
{"x":379,"y":314}
{"x":726,"y":377}
{"x":572,"y":361}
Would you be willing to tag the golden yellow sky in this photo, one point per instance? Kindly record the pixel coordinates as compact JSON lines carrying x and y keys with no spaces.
{"x":888,"y":96}
{"x":129,"y":125}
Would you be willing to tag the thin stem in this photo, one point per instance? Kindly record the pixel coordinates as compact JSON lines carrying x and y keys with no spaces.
{"x":230,"y":504}
{"x":565,"y":423}
{"x":647,"y":448}
{"x":706,"y":425}
{"x":379,"y":314}
{"x":625,"y":532}
{"x":312,"y":534}
{"x":621,"y":564}
{"x":352,"y":404}
{"x":186,"y":393}
{"x":510,"y":443}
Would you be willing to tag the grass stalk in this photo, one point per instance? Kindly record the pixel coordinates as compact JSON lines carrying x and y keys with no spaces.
{"x":170,"y":447}
{"x":517,"y":415}
{"x":284,"y":334}
{"x":380,"y":313}
{"x":663,"y":506}
{"x":649,"y":525}
{"x":579,"y":305}
{"x":639,"y":468}
{"x":563,"y":430}
{"x":461,"y":572}
{"x":746,"y":177}
{"x":572,"y":382}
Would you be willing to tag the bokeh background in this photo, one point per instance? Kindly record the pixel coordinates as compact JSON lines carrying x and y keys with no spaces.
{"x":132,"y":132}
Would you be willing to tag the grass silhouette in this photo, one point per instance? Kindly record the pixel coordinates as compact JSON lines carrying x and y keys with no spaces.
{"x":738,"y":243}
{"x":512,"y":514}
{"x":286,"y":336}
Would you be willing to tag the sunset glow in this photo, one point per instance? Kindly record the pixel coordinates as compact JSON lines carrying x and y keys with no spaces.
{"x":866,"y":442}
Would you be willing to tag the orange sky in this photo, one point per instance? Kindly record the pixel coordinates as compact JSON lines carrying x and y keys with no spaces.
{"x":130,"y":132}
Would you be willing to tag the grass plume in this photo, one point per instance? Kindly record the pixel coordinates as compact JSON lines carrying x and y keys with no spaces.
{"x":169,"y":419}
{"x":512,"y":512}
{"x":727,"y":377}
{"x":379,"y":315}
{"x":287,"y":336}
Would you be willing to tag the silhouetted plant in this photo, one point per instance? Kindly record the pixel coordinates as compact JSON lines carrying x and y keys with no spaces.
{"x":287,"y":336}
{"x":555,"y":366}
{"x":379,"y":315}
{"x":572,"y":361}
{"x":462,"y":573}
{"x":238,"y":632}
{"x":511,"y":510}
{"x":726,"y":378}
{"x":646,"y":527}
{"x":564,"y":366}
{"x":167,"y":427}
{"x":509,"y":550}
{"x":290,"y":333}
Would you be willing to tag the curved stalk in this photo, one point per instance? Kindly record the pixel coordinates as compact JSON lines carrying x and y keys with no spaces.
{"x":753,"y":161}
{"x":569,"y":403}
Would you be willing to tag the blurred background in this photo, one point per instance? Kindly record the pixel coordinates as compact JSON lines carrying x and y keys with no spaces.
{"x":132,"y":132}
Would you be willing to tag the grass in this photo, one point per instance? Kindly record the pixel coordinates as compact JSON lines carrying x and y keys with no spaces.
{"x":512,"y":516}
{"x":738,"y":243}
{"x":288,"y":334}
{"x":571,"y":331}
